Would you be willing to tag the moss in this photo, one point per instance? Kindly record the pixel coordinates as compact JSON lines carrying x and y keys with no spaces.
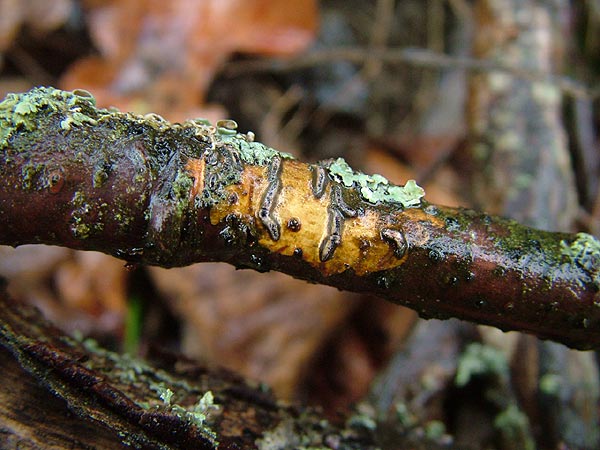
{"x":375,"y":188}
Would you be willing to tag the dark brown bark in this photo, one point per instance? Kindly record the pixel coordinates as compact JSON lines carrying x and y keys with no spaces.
{"x":155,"y":193}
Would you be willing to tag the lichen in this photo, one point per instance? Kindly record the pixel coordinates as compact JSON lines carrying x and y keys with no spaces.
{"x":364,"y":417}
{"x":253,"y":152}
{"x":182,"y":184}
{"x":164,"y":393}
{"x":435,"y":430}
{"x":281,"y":437}
{"x":19,"y":111}
{"x":197,"y":415}
{"x":250,"y":152}
{"x":513,"y":423}
{"x":550,"y":384}
{"x":584,"y":251}
{"x":376,"y":188}
{"x":477,"y":360}
{"x":30,"y":173}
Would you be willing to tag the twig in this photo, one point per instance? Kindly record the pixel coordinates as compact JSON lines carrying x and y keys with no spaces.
{"x":152,"y":192}
{"x":415,"y":56}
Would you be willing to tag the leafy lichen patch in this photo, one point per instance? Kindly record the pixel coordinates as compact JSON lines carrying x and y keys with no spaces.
{"x":376,"y":188}
{"x":478,"y":360}
{"x":584,"y":251}
{"x":19,"y":111}
{"x":197,"y":415}
{"x":253,"y":152}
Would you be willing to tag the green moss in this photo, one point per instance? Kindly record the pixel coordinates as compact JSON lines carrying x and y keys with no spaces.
{"x":375,"y":188}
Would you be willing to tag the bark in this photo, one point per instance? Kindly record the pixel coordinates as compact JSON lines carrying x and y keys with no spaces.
{"x":60,"y":393}
{"x":152,"y":192}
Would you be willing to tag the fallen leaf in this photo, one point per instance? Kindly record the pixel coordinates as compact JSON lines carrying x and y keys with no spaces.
{"x":161,"y":56}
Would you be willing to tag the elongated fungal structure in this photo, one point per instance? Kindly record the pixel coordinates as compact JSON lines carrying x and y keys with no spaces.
{"x":152,"y":192}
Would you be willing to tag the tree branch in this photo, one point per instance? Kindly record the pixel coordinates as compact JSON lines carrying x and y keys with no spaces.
{"x":152,"y":192}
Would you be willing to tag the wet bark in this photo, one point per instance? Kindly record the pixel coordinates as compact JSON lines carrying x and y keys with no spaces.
{"x":151,"y":192}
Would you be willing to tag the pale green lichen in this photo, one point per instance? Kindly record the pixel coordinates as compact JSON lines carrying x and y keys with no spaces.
{"x":250,"y":152}
{"x":550,"y":383}
{"x":404,"y":416}
{"x":197,"y":415}
{"x":129,"y":370}
{"x":279,"y":438}
{"x":18,"y":111}
{"x":435,"y":429}
{"x":253,"y":152}
{"x":364,"y":417}
{"x":30,"y":173}
{"x":376,"y":188}
{"x":182,"y":184}
{"x":514,"y":425}
{"x":477,"y":360}
{"x":165,"y":394}
{"x":584,"y":251}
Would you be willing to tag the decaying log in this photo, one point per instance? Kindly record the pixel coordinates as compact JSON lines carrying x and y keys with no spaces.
{"x":106,"y":400}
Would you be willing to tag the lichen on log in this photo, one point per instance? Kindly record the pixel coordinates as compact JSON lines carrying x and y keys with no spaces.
{"x":152,"y":192}
{"x":164,"y":404}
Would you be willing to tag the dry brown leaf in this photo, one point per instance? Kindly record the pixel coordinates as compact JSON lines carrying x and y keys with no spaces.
{"x":38,"y":15}
{"x":83,"y":291}
{"x":161,"y":56}
{"x":266,"y":326}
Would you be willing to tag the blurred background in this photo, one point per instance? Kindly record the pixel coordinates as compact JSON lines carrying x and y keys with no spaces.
{"x":492,"y":104}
